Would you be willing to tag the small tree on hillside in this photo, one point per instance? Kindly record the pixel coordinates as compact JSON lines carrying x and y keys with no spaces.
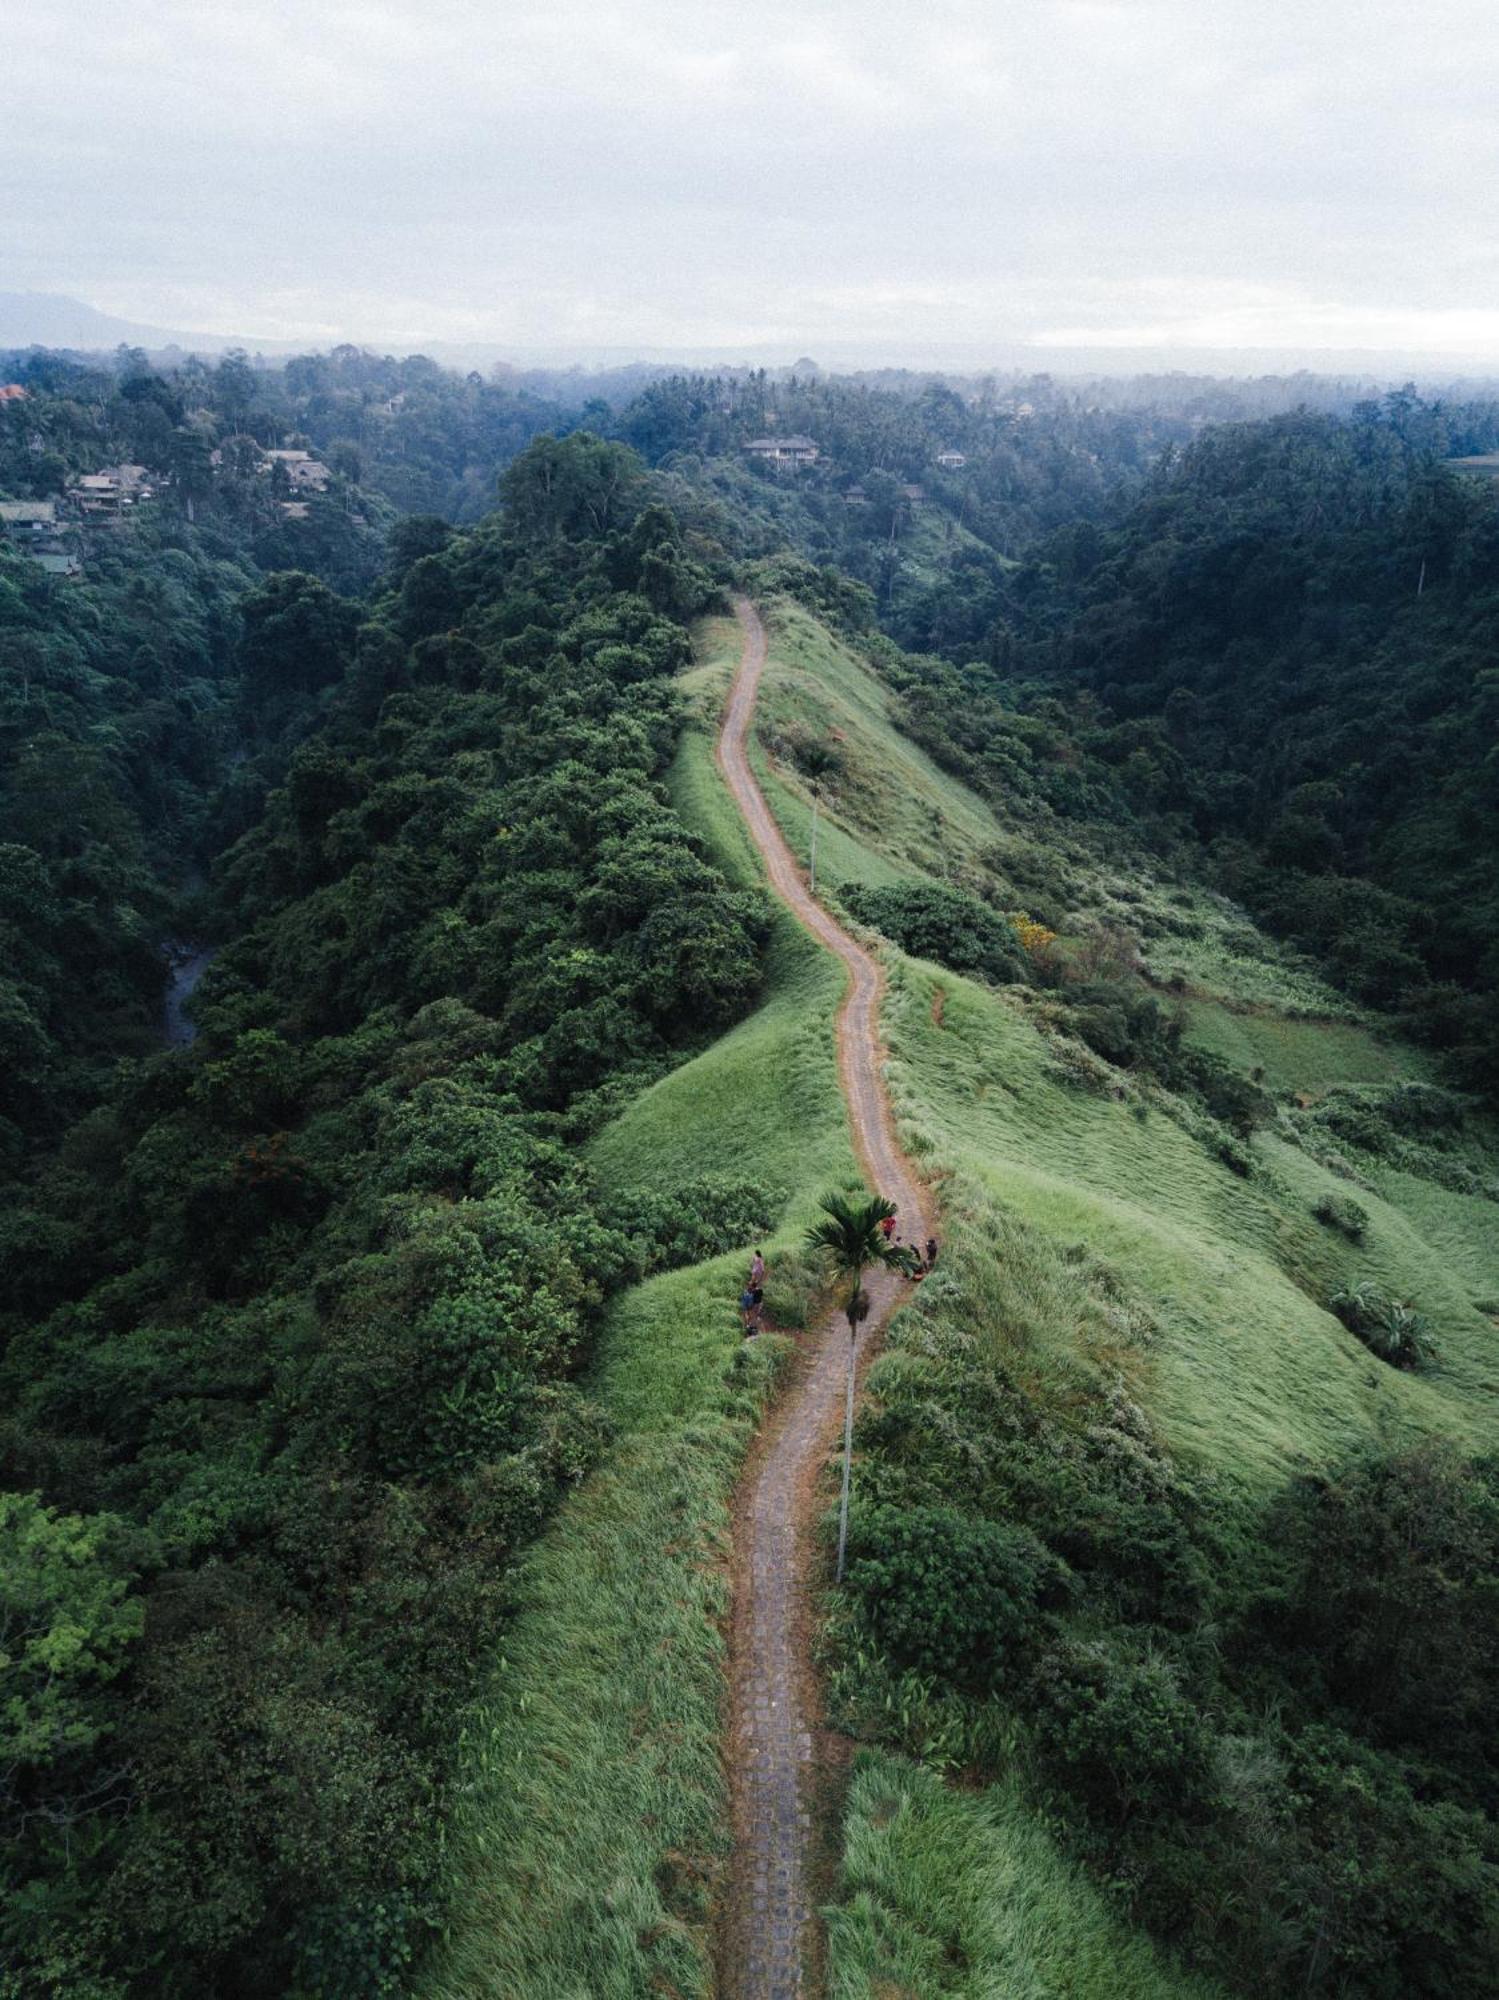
{"x":851,"y":1239}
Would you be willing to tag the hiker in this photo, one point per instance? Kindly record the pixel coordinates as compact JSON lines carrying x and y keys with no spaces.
{"x":749,"y":1307}
{"x":887,"y":1225}
{"x":931,"y":1253}
{"x":757,"y":1273}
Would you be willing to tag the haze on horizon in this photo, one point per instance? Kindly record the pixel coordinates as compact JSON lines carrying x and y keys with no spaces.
{"x":1081,"y":175}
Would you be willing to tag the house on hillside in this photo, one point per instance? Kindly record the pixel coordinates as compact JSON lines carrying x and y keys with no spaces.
{"x":23,"y":521}
{"x":952,"y":461}
{"x":1484,"y":463}
{"x":913,"y":495}
{"x":32,"y":528}
{"x":111,"y":491}
{"x":793,"y":450}
{"x":306,"y":473}
{"x":12,"y":392}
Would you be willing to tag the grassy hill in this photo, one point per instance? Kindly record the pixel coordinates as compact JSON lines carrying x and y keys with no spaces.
{"x":1106,"y":1240}
{"x":1098,"y":1244}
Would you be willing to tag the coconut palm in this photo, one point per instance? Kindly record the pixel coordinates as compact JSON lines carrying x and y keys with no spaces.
{"x":850,"y":1238}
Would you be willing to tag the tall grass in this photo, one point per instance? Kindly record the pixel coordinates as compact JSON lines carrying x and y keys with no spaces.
{"x":948,"y":1892}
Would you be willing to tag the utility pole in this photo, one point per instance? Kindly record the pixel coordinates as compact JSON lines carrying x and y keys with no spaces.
{"x":1421,"y":579}
{"x":812,"y":868}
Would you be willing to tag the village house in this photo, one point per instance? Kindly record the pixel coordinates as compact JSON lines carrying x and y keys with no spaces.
{"x":109,"y":492}
{"x":23,"y":521}
{"x":783,"y":450}
{"x":306,"y":473}
{"x":32,"y":529}
{"x":12,"y":392}
{"x":952,"y":461}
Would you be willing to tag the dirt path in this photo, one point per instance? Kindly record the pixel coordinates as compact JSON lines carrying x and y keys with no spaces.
{"x":769,"y":1932}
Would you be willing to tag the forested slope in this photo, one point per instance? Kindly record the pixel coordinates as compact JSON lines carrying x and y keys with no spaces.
{"x":1292,"y":637}
{"x":1174,"y":1530}
{"x":293,"y":1317}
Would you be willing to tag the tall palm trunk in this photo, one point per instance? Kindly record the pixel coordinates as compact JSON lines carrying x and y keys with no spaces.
{"x":848,"y":1448}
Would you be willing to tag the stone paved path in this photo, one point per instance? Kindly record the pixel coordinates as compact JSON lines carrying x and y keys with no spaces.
{"x":772,"y":1734}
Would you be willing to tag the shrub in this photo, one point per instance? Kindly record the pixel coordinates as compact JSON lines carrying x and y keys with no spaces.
{"x":693,"y":1221}
{"x":1388,"y":1327}
{"x":1349,"y":1218}
{"x":1118,"y":1733}
{"x":950,"y":1595}
{"x":947,"y":925}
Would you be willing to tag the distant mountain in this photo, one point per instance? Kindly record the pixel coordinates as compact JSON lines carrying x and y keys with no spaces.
{"x":49,"y":319}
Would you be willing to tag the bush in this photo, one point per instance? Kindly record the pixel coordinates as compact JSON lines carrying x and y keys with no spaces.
{"x":1119,"y":1734}
{"x":947,"y":925}
{"x":949,"y":1595}
{"x":1347,"y":1217}
{"x":694,"y":1221}
{"x":1388,"y":1327}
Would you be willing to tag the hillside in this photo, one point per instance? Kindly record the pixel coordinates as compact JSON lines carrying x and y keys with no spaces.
{"x":1099,"y":1255}
{"x":384,"y":1466}
{"x":1129,"y":1281}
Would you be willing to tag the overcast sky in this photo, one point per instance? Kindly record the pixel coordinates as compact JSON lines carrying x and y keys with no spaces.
{"x":687,"y":173}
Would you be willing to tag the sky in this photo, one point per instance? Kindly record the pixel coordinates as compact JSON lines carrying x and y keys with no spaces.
{"x":1097,"y":176}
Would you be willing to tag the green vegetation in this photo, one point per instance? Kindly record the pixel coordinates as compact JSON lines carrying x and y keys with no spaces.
{"x":961,"y":1892}
{"x":297,"y":1316}
{"x":1087,"y":1445}
{"x":372,"y":1387}
{"x":591,"y":1831}
{"x":1290,"y":634}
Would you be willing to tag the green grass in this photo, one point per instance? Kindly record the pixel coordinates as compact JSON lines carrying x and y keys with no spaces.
{"x":891,"y":814}
{"x":1222,"y":1330}
{"x":948,"y":1892}
{"x":1297,"y":1055}
{"x":591,"y":1826}
{"x":1248,"y":1373}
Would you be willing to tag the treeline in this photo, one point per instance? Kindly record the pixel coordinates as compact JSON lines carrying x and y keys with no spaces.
{"x":411,"y":434}
{"x":1292,"y":639}
{"x":294,"y":1317}
{"x":1038,"y":455}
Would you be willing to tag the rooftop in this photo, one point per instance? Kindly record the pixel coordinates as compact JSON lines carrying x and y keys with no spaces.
{"x":24,"y":511}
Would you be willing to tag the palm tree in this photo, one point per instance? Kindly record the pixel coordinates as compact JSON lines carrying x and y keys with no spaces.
{"x":851,"y":1239}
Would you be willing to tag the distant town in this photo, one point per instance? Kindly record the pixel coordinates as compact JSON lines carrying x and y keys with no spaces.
{"x":53,"y":532}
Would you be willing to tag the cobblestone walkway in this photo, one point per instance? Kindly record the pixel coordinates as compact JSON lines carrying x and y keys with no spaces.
{"x":772,"y":1734}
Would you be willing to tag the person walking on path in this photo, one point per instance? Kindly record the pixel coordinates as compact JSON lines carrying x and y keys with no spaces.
{"x":757,"y":1273}
{"x":749,"y":1308}
{"x":931,"y":1252}
{"x":888,"y":1228}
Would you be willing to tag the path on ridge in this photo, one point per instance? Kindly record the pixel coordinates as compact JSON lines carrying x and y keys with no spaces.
{"x":773,"y":1719}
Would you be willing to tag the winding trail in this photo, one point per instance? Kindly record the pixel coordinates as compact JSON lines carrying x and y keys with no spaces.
{"x":769,"y":1929}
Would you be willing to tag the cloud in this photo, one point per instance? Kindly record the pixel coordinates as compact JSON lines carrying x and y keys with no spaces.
{"x":1094,"y":171}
